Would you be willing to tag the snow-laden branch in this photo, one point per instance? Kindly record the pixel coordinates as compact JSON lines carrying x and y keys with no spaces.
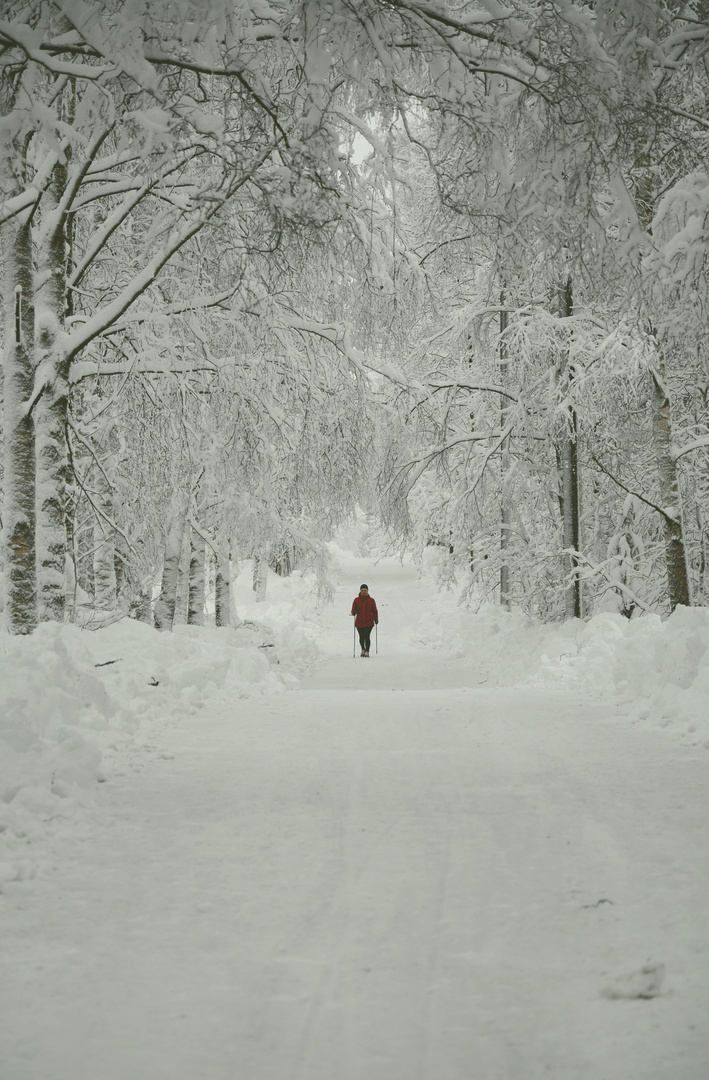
{"x":666,"y":513}
{"x":84,"y":487}
{"x":473,"y":436}
{"x":108,"y":315}
{"x":96,"y":41}
{"x":594,"y":569}
{"x":75,"y":181}
{"x":86,"y":369}
{"x":444,"y":243}
{"x":99,"y":239}
{"x":135,"y":192}
{"x":30,"y":42}
{"x":701,"y":121}
{"x":198,"y":303}
{"x":679,"y":451}
{"x":138,"y":318}
{"x":340,"y":337}
{"x":11,"y":208}
{"x":338,"y":334}
{"x":482,"y":25}
{"x":488,"y":387}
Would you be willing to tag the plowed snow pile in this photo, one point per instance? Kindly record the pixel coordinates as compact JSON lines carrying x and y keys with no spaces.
{"x":68,"y":695}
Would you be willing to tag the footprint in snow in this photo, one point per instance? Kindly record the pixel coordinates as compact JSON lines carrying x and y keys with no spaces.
{"x":638,"y":985}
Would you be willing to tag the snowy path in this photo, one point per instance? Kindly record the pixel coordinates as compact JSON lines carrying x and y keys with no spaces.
{"x":410,"y":881}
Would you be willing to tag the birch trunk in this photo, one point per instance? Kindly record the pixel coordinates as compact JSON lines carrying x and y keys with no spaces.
{"x":570,"y":480}
{"x":141,"y":609}
{"x":18,"y":428}
{"x":260,"y":579}
{"x":195,"y":606}
{"x":51,"y":408}
{"x":670,"y":500}
{"x":105,"y":585}
{"x":165,"y":603}
{"x":183,"y":583}
{"x":70,"y":574}
{"x":104,"y":564}
{"x":52,"y":469}
{"x":222,"y":590}
{"x":506,"y":509}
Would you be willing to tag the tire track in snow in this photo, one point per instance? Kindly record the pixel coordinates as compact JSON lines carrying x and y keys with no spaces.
{"x":358,"y":851}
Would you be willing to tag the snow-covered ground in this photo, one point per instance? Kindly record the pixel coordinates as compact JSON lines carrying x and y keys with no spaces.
{"x":475,"y":856}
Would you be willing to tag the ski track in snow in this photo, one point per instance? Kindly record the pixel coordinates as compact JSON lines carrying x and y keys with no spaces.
{"x":389,"y":874}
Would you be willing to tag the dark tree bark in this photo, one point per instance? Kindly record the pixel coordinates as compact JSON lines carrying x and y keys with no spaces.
{"x":195,"y":602}
{"x":222,"y":590}
{"x":52,"y":407}
{"x":675,"y":556}
{"x":18,"y":428}
{"x":570,"y":478}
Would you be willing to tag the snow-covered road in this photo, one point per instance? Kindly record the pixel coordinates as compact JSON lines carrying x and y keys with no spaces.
{"x":385,"y":875}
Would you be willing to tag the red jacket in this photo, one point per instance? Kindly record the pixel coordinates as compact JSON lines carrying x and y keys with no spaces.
{"x":365,"y":610}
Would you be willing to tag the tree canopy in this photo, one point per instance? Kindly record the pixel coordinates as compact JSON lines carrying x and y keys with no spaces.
{"x":268,"y":263}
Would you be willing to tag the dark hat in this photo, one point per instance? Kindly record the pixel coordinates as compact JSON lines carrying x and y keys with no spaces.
{"x":364,"y":587}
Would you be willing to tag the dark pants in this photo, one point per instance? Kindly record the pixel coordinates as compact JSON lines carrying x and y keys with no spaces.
{"x":365,"y":632}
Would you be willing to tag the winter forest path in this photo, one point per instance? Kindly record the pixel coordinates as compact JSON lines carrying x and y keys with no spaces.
{"x":388,"y":874}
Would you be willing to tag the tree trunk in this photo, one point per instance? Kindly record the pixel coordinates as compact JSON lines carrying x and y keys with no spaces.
{"x":675,"y":558}
{"x":70,"y":573}
{"x":570,"y":492}
{"x":670,"y":501}
{"x":222,"y":590}
{"x":105,"y":588}
{"x":506,"y":509}
{"x":18,"y":428}
{"x":165,"y":603}
{"x":195,"y":605}
{"x":260,"y":576}
{"x":84,"y":558}
{"x":52,"y":470}
{"x":51,"y":408}
{"x":182,"y":590}
{"x":570,"y":479}
{"x":141,"y":609}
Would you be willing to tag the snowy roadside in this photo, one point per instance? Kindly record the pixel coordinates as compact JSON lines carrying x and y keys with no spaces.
{"x":74,"y":703}
{"x":656,"y":670}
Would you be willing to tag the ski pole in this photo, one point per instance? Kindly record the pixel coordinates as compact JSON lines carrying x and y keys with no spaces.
{"x":376,"y":639}
{"x":354,"y":640}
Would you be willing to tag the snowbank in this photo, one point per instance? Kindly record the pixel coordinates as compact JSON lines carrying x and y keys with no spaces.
{"x":658,"y":670}
{"x":291,"y":611}
{"x":68,"y":695}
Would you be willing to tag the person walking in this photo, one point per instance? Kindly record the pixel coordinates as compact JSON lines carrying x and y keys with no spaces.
{"x":364,"y":609}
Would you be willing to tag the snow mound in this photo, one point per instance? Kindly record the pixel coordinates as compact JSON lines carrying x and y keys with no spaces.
{"x":291,"y":612}
{"x":657,"y":669}
{"x":68,"y":695}
{"x":661,"y":672}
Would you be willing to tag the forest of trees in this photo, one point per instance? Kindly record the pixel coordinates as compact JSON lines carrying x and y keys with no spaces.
{"x":266,"y":262}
